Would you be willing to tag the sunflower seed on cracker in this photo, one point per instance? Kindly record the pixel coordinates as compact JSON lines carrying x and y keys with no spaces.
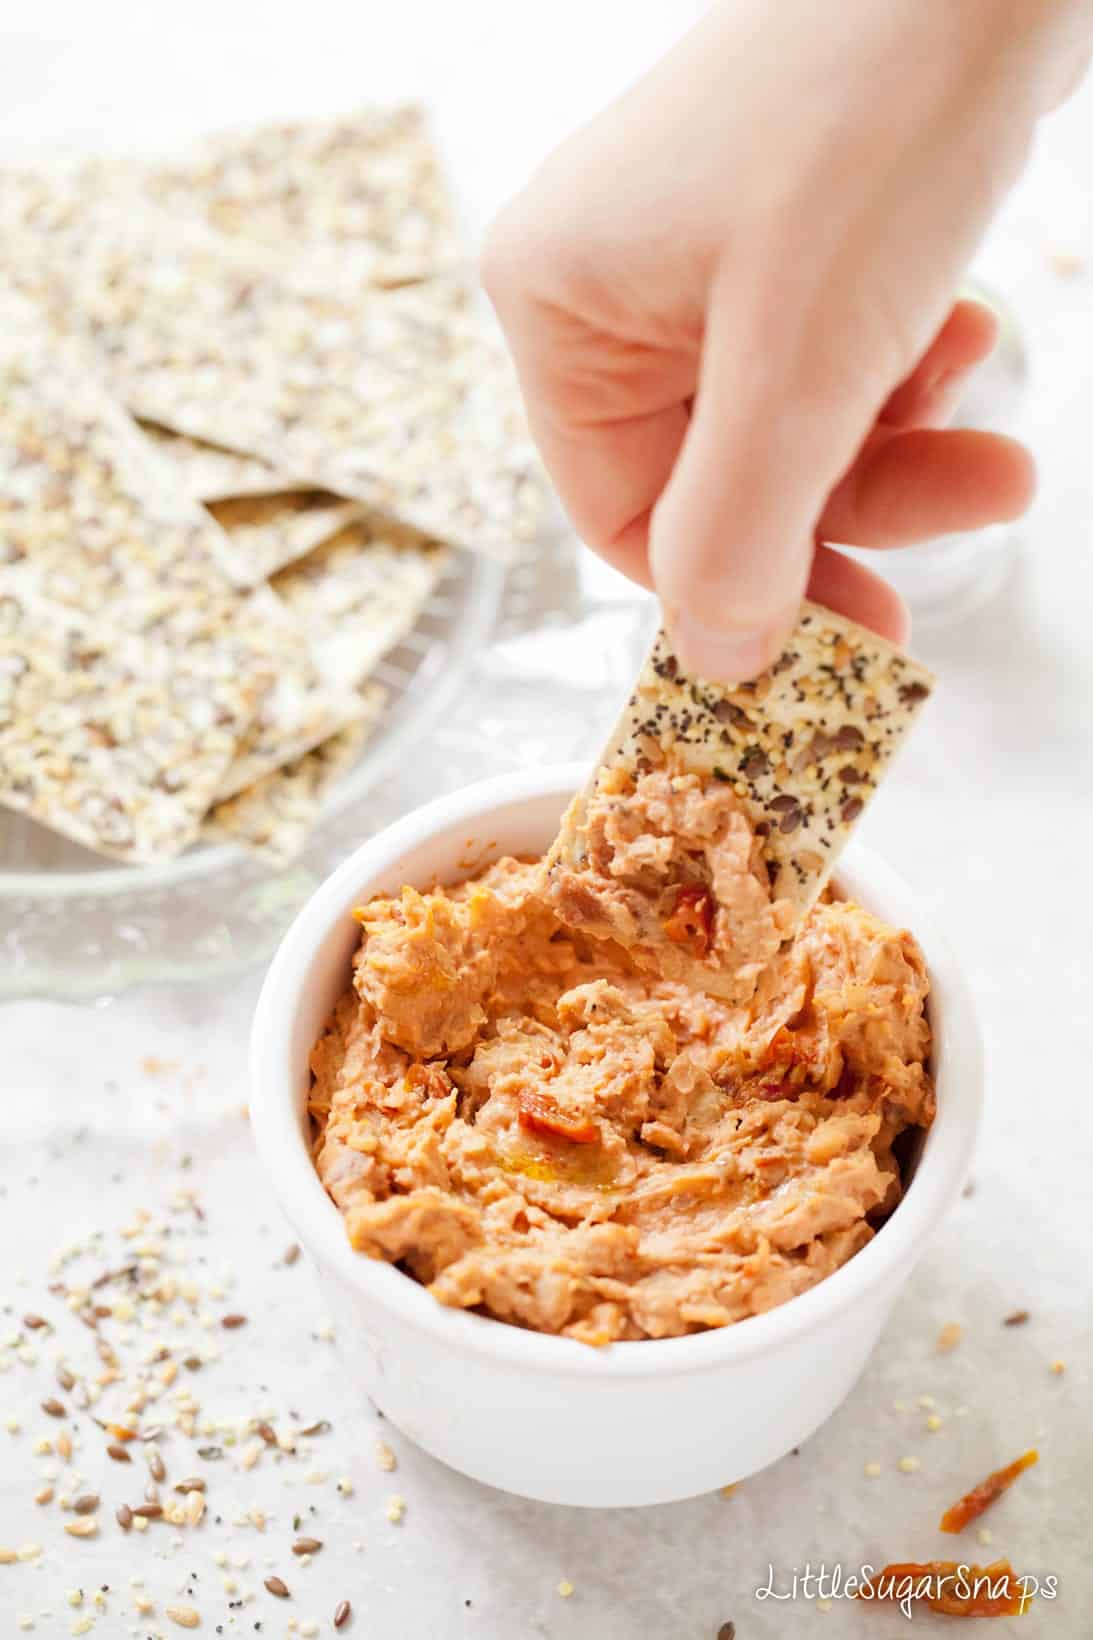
{"x":802,"y":748}
{"x":273,"y":818}
{"x":359,"y":594}
{"x":266,"y":532}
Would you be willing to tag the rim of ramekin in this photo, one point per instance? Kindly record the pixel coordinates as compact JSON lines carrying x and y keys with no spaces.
{"x":938,"y":1177}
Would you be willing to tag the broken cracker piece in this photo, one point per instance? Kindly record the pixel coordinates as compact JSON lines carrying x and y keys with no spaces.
{"x":106,"y":736}
{"x":273,"y":818}
{"x":771,"y":776}
{"x":266,"y":532}
{"x":298,"y":711}
{"x":211,"y":473}
{"x":359,"y":594}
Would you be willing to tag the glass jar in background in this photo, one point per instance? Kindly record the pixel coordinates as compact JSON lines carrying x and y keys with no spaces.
{"x":945,"y":579}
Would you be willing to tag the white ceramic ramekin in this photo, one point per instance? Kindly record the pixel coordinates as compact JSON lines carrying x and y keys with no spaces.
{"x":635,"y":1423}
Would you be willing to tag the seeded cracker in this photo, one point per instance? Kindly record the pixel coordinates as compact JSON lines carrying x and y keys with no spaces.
{"x":366,"y":183}
{"x":299,"y":710}
{"x":266,"y":532}
{"x":273,"y":818}
{"x":210,"y":473}
{"x":382,"y":396}
{"x":359,"y":594}
{"x":104,"y":736}
{"x":803,"y":747}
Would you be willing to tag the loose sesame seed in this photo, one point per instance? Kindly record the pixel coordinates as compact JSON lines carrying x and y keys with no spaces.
{"x":872,"y":1469}
{"x":934,"y":1423}
{"x":908,"y":1465}
{"x":396,"y":1508}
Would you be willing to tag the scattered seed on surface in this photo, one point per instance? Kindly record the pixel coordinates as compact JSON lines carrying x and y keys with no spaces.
{"x":187,"y":1617}
{"x":66,"y":1378}
{"x":233,"y":1321}
{"x":44,"y":1495}
{"x":396,"y":1508}
{"x":1058,"y":1367}
{"x":148,"y":1511}
{"x":307,"y":1546}
{"x":156,"y":1464}
{"x":63,"y":1443}
{"x":908,"y":1465}
{"x":86,"y":1503}
{"x":291,"y":1253}
{"x":53,"y":1408}
{"x":34,"y":1322}
{"x":385,"y":1457}
{"x":194,"y":1484}
{"x":985,"y":1535}
{"x":124,"y":1516}
{"x":119,"y":1453}
{"x":565,"y":1588}
{"x":343,"y":1611}
{"x":1016,"y":1318}
{"x":8,"y":1557}
{"x":934,"y":1423}
{"x":83,"y":1527}
{"x":727,"y":1631}
{"x":949,"y":1337}
{"x":872,"y":1470}
{"x":727,"y":1491}
{"x":277,"y":1586}
{"x":266,"y":1431}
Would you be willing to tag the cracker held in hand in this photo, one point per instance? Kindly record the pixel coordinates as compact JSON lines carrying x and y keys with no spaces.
{"x":718,"y":812}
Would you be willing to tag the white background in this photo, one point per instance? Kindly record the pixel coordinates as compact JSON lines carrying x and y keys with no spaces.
{"x":989,"y":815}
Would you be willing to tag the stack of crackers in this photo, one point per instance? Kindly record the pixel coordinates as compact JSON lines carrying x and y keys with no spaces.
{"x":248,"y":410}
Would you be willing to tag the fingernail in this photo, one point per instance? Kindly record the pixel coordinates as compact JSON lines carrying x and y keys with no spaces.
{"x":723,"y":657}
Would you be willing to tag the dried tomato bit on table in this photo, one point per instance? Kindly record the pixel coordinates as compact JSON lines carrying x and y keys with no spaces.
{"x":691,"y":921}
{"x":973,"y":1503}
{"x":539,"y":1113}
{"x":952,"y":1588}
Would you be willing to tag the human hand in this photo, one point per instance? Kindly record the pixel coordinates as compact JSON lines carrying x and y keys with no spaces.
{"x":730,"y":302}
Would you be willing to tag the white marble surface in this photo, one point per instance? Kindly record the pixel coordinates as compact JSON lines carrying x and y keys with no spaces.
{"x":989,"y":815}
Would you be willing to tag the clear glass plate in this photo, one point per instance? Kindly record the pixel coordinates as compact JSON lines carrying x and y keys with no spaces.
{"x":74,"y":925}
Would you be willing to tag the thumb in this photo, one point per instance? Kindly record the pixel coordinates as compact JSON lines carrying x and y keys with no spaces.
{"x":731,"y":538}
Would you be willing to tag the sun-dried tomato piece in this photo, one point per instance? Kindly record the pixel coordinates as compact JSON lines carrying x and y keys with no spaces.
{"x":952,"y":1588}
{"x":691,"y":921}
{"x":973,"y":1503}
{"x":540,"y":1114}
